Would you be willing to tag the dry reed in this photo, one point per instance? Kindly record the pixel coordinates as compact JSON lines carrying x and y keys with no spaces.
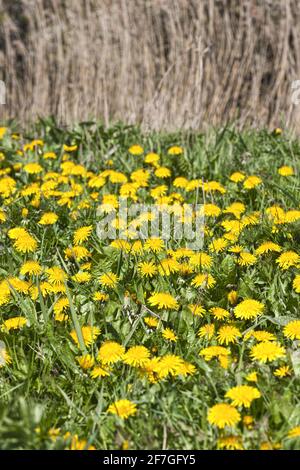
{"x":166,"y":64}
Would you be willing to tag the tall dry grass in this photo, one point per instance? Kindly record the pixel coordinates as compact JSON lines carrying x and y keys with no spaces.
{"x":166,"y":64}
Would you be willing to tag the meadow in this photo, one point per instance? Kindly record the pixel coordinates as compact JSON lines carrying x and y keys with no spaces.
{"x":133,"y":343}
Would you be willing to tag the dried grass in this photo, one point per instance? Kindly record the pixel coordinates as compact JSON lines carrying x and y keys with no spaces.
{"x":166,"y":64}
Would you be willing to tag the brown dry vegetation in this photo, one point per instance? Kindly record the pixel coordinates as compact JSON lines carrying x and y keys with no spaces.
{"x":166,"y":64}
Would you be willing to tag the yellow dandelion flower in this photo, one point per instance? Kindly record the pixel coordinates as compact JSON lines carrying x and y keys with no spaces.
{"x":7,"y":186}
{"x":82,"y":234}
{"x":60,"y":308}
{"x":111,"y":352}
{"x":136,"y":150}
{"x":237,"y":177}
{"x":168,"y":266}
{"x":58,"y":288}
{"x":116,"y":177}
{"x":89,"y":334}
{"x":243,"y":395}
{"x":152,"y":158}
{"x":86,"y":361}
{"x":201,"y":260}
{"x":203,"y":281}
{"x":140,"y":178}
{"x":56,"y":275}
{"x":251,"y":182}
{"x":151,"y":322}
{"x":197,"y":310}
{"x":175,"y":150}
{"x":169,"y":335}
{"x":266,"y":446}
{"x":214,"y":351}
{"x":162,"y":172}
{"x":286,"y":171}
{"x":81,"y":277}
{"x":3,"y":131}
{"x":163,"y":300}
{"x":24,"y":212}
{"x":206,"y":331}
{"x":232,"y":297}
{"x":180,"y":182}
{"x":169,"y":364}
{"x":292,"y":216}
{"x":292,"y":330}
{"x":159,"y":191}
{"x":86,"y":266}
{"x":5,"y":358}
{"x":109,"y":280}
{"x":222,"y":415}
{"x":77,"y":252}
{"x":228,"y":334}
{"x":218,"y":245}
{"x":33,"y":168}
{"x":31,"y":267}
{"x":260,"y":335}
{"x":186,"y":369}
{"x":15,"y":323}
{"x":236,"y":249}
{"x":294,"y":432}
{"x":268,"y":247}
{"x":212,"y":186}
{"x":154,"y":244}
{"x":246,"y":259}
{"x":123,"y":408}
{"x":219,"y":313}
{"x":18,"y":284}
{"x":25,"y":243}
{"x":236,"y":208}
{"x":230,"y":443}
{"x":49,"y":156}
{"x":49,"y":218}
{"x":2,"y":216}
{"x":147,"y":269}
{"x":288,"y":259}
{"x":99,"y":372}
{"x":267,"y":351}
{"x":252,"y":377}
{"x":122,"y":245}
{"x":248,"y":421}
{"x":248,"y":309}
{"x":70,"y":148}
{"x":296,"y":283}
{"x":61,"y":317}
{"x":276,"y":213}
{"x":100,"y":296}
{"x":96,"y":182}
{"x":79,"y":444}
{"x":283,"y":371}
{"x":136,"y":356}
{"x":211,"y":210}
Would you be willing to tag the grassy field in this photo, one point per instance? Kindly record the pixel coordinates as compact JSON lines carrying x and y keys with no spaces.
{"x":116,"y":344}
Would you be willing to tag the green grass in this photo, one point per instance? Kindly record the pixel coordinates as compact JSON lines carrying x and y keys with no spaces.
{"x":44,"y":387}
